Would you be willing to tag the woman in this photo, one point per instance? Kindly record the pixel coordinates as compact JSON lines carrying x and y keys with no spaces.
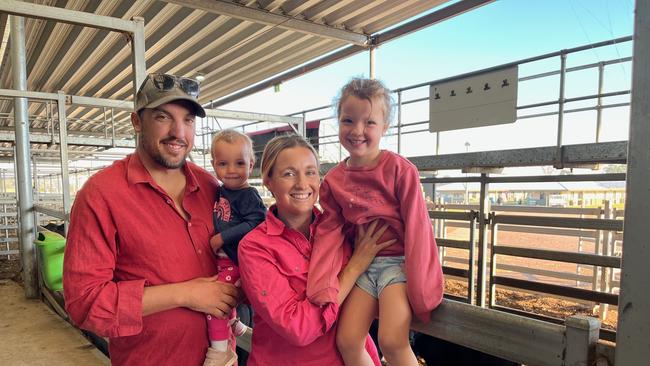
{"x":274,"y":260}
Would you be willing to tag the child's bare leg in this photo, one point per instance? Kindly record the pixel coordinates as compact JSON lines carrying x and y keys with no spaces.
{"x":394,"y":324}
{"x":357,"y":313}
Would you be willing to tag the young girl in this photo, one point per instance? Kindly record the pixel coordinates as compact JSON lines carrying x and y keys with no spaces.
{"x":372,"y":184}
{"x":238,"y":209}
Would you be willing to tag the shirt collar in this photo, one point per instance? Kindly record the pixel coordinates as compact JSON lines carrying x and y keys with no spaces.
{"x":137,"y":173}
{"x":275,"y":226}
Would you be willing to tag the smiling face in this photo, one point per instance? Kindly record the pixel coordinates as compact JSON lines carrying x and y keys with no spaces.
{"x":294,"y":182}
{"x":361,"y":125}
{"x":232,"y":163}
{"x":166,"y":135}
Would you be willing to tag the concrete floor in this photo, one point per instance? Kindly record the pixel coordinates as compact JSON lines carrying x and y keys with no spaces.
{"x":32,"y":334}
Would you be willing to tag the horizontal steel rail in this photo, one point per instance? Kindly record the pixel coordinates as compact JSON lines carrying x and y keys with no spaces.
{"x":563,"y":222}
{"x":452,"y":243}
{"x":571,"y":292}
{"x":453,"y":271}
{"x":580,"y":233}
{"x":549,"y":210}
{"x":509,"y":336}
{"x":81,"y":18}
{"x":533,"y":271}
{"x":559,"y":256}
{"x":451,"y":215}
{"x":72,"y":140}
{"x":605,"y":334}
{"x":50,"y":212}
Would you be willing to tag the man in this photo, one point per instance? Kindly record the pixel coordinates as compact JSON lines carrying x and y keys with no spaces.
{"x":138,"y":266}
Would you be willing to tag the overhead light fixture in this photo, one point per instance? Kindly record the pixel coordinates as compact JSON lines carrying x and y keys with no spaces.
{"x":200,"y":78}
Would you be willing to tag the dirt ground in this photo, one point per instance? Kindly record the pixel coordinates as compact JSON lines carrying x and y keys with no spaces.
{"x":537,"y":304}
{"x":32,"y":334}
{"x":9,"y":269}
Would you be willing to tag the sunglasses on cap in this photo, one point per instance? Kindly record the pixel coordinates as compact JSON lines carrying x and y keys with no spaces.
{"x":165,"y":82}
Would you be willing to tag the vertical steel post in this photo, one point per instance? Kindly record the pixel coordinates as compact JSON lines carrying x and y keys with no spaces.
{"x":560,"y":113}
{"x":606,"y":272}
{"x":35,"y":190}
{"x":302,"y":126}
{"x":484,"y":208}
{"x":371,"y":51}
{"x":581,"y":337}
{"x":63,"y":146}
{"x":23,"y":177}
{"x":137,"y":53}
{"x":399,"y":122}
{"x":633,"y":335}
{"x":471,"y":281}
{"x":599,"y":105}
{"x":493,"y":264}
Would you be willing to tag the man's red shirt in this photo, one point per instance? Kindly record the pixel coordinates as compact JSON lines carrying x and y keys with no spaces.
{"x":125,"y":234}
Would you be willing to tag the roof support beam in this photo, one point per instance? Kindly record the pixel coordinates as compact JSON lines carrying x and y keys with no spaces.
{"x":277,"y":20}
{"x":445,"y":13}
{"x":415,"y":25}
{"x":81,"y":18}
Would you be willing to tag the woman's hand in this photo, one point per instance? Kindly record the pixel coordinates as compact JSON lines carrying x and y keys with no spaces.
{"x":365,"y":250}
{"x":366,"y":246}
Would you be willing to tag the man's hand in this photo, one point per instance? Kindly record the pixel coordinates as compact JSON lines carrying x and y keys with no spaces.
{"x":204,"y":294}
{"x":210,"y":296}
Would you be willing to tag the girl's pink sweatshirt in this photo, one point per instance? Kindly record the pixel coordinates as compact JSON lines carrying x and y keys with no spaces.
{"x":390,"y":191}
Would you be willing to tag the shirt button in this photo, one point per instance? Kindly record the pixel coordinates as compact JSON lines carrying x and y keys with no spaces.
{"x":169,"y":202}
{"x":189,"y":224}
{"x":199,"y":251}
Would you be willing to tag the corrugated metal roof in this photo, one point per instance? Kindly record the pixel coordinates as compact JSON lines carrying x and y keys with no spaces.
{"x":257,"y":41}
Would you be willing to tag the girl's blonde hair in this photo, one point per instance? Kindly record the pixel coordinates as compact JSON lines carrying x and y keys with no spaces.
{"x":230,"y":136}
{"x":274,"y":147}
{"x":367,"y":89}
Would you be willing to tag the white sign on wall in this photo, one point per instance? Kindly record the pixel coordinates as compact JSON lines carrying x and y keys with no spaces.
{"x":481,"y":100}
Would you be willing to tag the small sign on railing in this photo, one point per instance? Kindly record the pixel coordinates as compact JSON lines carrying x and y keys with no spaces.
{"x":481,"y":100}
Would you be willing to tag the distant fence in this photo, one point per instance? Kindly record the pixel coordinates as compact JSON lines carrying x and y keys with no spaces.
{"x":602,"y":227}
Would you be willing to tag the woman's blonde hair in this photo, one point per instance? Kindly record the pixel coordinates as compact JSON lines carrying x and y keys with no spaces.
{"x":274,"y":147}
{"x":367,"y":89}
{"x":230,"y":136}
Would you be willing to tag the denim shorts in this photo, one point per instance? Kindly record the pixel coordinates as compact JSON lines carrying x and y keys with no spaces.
{"x":383,"y":271}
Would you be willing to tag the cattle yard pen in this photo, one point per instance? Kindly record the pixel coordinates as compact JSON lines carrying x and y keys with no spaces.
{"x":596,"y":269}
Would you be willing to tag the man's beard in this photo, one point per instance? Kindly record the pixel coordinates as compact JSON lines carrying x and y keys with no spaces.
{"x":158,"y":157}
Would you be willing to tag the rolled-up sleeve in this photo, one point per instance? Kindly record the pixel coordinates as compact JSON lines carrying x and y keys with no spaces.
{"x":93,"y":299}
{"x":269,"y":291}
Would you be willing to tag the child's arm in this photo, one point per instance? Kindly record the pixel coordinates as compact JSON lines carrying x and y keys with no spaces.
{"x":252,"y":212}
{"x":327,"y":250}
{"x":216,"y":242}
{"x":423,"y":271}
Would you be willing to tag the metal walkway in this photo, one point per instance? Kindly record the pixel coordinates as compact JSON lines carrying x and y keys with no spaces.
{"x":32,"y":334}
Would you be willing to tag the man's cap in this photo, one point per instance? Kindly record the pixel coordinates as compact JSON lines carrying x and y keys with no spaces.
{"x":150,"y":96}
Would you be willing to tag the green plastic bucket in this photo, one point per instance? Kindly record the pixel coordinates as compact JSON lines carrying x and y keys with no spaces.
{"x":50,"y":250}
